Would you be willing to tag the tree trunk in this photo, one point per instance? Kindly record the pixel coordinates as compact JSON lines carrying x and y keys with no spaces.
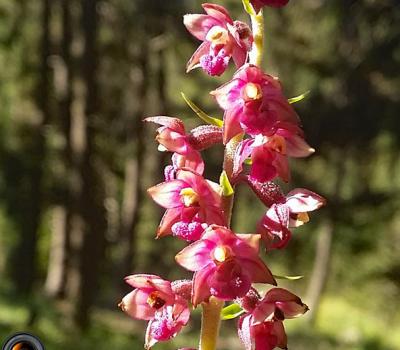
{"x":25,"y":254}
{"x":320,"y":271}
{"x":93,"y":192}
{"x":323,"y":250}
{"x":63,"y":75}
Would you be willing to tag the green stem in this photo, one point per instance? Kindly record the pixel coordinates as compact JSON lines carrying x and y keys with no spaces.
{"x":210,"y":322}
{"x":257,"y":24}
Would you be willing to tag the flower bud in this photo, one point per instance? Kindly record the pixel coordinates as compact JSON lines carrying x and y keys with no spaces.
{"x":268,"y":192}
{"x":183,"y":288}
{"x":205,"y":136}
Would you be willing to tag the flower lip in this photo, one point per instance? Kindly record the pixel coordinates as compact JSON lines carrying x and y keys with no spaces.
{"x":218,"y":35}
{"x":155,"y":301}
{"x":221,"y":254}
{"x":189,"y":197}
{"x":252,"y":92}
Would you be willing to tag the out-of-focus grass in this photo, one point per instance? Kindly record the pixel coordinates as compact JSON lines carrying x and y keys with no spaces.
{"x":340,"y":325}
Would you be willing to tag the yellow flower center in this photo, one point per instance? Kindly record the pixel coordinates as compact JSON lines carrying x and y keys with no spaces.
{"x":218,"y":35}
{"x":155,"y":301}
{"x":252,"y":92}
{"x":221,"y":254}
{"x":302,"y":218}
{"x":189,"y":197}
{"x":277,"y":143}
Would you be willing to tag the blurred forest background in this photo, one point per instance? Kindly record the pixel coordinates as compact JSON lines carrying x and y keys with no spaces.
{"x":76,"y":79}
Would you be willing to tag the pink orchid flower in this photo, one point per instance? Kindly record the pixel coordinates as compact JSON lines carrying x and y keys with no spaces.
{"x":151,"y":293}
{"x":253,"y":103}
{"x":258,"y":4}
{"x":192,"y":203}
{"x":225,"y":264}
{"x":291,"y":211}
{"x":222,"y":39}
{"x":262,"y":327}
{"x":269,"y":154}
{"x":172,"y":137}
{"x":153,"y":299}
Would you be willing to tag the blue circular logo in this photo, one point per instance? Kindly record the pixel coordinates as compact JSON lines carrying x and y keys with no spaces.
{"x":23,"y":341}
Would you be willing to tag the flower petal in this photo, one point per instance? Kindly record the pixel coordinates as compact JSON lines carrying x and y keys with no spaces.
{"x":136,"y":306}
{"x":201,"y":289}
{"x":172,"y":123}
{"x":196,"y":256}
{"x":167,"y":194}
{"x":194,"y":61}
{"x":199,"y":25}
{"x":218,"y":12}
{"x":301,"y":200}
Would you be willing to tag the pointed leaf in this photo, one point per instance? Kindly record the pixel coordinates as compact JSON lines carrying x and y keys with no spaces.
{"x":249,"y":7}
{"x":298,"y":98}
{"x":289,"y":278}
{"x":201,"y":114}
{"x":227,"y":189}
{"x":231,"y":311}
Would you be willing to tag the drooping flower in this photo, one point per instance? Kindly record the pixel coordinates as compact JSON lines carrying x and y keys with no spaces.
{"x":225,"y":264}
{"x":261,"y":328}
{"x":172,"y":137}
{"x":290,"y":211}
{"x":192,"y":203}
{"x":153,"y":299}
{"x":269,"y":154}
{"x":258,"y":4}
{"x":253,"y":103}
{"x":222,"y":39}
{"x":150,"y":294}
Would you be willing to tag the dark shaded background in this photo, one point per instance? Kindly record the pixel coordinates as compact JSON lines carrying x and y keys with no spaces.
{"x":76,"y":79}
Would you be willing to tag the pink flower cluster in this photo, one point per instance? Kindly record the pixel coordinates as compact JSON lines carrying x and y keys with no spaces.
{"x":225,"y":265}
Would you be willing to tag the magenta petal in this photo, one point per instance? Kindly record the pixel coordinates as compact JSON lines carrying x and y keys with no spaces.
{"x":258,"y":271}
{"x":170,"y":217}
{"x":201,"y":288}
{"x":195,"y":256}
{"x":153,"y":282}
{"x":172,"y":123}
{"x":228,"y":95}
{"x":173,"y":141}
{"x":243,"y":152}
{"x":231,"y":125}
{"x":218,"y":12}
{"x":167,"y":194}
{"x":194,"y":61}
{"x":262,"y":168}
{"x":199,"y":25}
{"x":136,"y":306}
{"x":239,"y":56}
{"x":296,"y":146}
{"x":281,"y":165}
{"x":192,"y":160}
{"x":264,"y":311}
{"x":301,"y":200}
